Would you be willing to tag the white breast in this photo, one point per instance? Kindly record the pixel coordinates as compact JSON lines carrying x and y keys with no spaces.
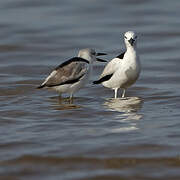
{"x":127,"y":72}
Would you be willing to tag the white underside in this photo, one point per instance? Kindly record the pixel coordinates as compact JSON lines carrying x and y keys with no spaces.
{"x":121,"y":80}
{"x":126,"y":74}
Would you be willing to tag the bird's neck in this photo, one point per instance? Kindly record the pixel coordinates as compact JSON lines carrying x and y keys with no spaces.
{"x":131,"y":49}
{"x":88,"y":58}
{"x":91,"y":60}
{"x":131,"y":55}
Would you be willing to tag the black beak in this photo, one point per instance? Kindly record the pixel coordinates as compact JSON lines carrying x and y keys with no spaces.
{"x":101,"y":60}
{"x":131,"y":41}
{"x":100,"y":54}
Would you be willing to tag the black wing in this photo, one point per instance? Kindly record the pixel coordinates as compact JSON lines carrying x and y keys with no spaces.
{"x":105,"y":78}
{"x":121,"y":56}
{"x":75,"y":59}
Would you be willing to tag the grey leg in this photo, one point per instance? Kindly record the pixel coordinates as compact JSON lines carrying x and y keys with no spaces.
{"x":71,"y":98}
{"x":115,"y":93}
{"x":60,"y":98}
{"x":123,"y":94}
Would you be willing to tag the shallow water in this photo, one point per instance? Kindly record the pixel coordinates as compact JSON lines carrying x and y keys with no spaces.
{"x":96,"y":137}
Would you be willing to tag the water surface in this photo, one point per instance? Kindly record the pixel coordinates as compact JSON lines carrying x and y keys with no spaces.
{"x":96,"y":137}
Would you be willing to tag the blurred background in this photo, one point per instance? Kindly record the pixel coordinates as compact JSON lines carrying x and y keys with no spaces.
{"x":96,"y":137}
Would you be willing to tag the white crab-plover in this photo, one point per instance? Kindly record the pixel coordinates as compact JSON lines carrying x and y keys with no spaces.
{"x":122,"y":71}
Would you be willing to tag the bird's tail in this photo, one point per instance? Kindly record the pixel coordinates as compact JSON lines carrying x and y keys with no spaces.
{"x":97,"y":82}
{"x":41,"y":86}
{"x":101,"y":80}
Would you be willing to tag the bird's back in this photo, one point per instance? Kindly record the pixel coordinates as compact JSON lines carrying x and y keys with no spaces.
{"x":67,"y":73}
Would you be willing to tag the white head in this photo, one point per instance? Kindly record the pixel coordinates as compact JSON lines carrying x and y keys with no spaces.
{"x":130,"y":39}
{"x":90,"y":55}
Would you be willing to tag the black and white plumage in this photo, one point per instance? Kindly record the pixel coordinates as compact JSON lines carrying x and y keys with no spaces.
{"x":73,"y":74}
{"x":124,"y":70}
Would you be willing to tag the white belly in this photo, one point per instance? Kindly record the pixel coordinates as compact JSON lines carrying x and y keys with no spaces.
{"x":124,"y":77}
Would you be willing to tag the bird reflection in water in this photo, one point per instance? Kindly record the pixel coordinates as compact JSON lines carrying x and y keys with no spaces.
{"x":62,"y":103}
{"x":128,"y":108}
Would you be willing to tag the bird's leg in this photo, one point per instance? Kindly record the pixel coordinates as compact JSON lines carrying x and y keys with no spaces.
{"x":71,"y":98}
{"x":123,"y":94}
{"x":115,"y":92}
{"x":59,"y":98}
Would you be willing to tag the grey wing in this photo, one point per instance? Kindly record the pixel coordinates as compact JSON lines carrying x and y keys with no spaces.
{"x":67,"y":74}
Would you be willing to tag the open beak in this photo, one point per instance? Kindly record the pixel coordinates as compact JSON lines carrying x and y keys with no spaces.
{"x":100,"y":54}
{"x":131,"y":41}
{"x":101,"y":60}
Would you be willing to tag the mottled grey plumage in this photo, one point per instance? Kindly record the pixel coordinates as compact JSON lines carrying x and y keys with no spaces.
{"x":73,"y":74}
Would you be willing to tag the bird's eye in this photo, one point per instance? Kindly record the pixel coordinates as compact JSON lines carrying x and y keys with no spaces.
{"x":125,"y":37}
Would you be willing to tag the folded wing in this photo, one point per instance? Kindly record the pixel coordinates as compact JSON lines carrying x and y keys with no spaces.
{"x":108,"y":71}
{"x":68,"y":72}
